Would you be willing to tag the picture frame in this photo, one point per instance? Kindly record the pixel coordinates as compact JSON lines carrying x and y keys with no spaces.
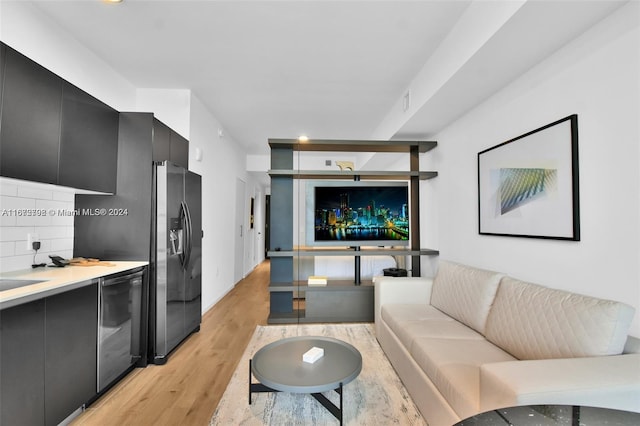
{"x":252,"y":202}
{"x":528,"y":186}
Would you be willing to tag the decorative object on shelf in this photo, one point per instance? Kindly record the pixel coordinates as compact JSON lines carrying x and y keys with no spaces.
{"x":345,"y":165}
{"x":528,"y":186}
{"x":317,"y":280}
{"x":395,"y":272}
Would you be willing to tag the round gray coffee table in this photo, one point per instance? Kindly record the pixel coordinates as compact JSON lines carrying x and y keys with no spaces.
{"x":279,"y":367}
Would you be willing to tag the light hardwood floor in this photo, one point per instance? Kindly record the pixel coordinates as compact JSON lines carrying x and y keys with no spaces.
{"x":186,"y":390}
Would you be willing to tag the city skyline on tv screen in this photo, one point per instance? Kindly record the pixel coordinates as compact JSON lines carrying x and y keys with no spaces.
{"x":367,"y":213}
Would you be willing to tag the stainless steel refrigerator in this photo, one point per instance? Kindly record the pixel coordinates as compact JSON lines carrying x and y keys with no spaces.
{"x":154,"y":198}
{"x":176,"y":264}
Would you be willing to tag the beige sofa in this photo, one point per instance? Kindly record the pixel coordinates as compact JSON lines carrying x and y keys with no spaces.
{"x":472,"y":340}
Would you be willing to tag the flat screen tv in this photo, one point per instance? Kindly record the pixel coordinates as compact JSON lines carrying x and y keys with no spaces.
{"x":358,"y":213}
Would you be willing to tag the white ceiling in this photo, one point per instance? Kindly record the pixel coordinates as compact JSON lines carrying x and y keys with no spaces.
{"x":328,"y":69}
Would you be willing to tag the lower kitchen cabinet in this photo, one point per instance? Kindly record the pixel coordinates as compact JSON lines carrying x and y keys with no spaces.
{"x":48,"y":357}
{"x":70,"y":351}
{"x":22,"y":364}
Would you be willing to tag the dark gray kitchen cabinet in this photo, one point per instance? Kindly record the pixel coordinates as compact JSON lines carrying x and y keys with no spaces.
{"x":92,"y":235}
{"x":3,"y":53}
{"x":161,"y":141}
{"x":88,"y":142}
{"x":48,"y":353}
{"x":30,"y":129}
{"x":179,"y":150}
{"x":22,"y":364}
{"x":53,"y":132}
{"x":70,"y":351}
{"x":169,"y":145}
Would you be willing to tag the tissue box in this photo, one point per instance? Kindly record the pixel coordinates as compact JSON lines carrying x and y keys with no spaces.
{"x":312,"y":355}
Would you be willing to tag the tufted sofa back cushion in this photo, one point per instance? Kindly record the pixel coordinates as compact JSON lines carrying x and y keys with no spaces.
{"x":534,"y":322}
{"x":465,"y":293}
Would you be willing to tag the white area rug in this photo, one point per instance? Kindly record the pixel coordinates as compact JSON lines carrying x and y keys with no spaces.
{"x":375,"y":397}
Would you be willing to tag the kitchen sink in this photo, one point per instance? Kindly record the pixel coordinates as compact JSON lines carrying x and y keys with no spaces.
{"x":11,"y":283}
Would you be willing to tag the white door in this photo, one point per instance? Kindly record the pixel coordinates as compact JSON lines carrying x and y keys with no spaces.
{"x":239,"y":231}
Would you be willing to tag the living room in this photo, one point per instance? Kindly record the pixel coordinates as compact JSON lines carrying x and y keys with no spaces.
{"x":593,"y":73}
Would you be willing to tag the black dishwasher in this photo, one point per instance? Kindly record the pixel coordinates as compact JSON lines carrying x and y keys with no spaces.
{"x":119,"y":325}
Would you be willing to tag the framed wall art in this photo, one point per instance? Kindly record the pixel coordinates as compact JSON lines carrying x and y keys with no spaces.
{"x":528,"y":186}
{"x":251,"y":208}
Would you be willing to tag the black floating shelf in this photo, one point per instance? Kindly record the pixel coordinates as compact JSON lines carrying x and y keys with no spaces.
{"x":348,"y":252}
{"x":349,"y":175}
{"x":346,"y":145}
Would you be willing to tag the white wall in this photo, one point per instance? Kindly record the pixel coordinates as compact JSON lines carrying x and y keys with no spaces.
{"x":223,"y":160}
{"x":171,"y":106}
{"x":596,"y":77}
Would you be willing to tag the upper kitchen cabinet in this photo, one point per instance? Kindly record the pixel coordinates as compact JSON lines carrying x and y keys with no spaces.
{"x":30,"y":128}
{"x":169,"y":145}
{"x":3,"y":53}
{"x":88,"y":142}
{"x":53,"y":132}
{"x":179,"y":150}
{"x":161,"y":141}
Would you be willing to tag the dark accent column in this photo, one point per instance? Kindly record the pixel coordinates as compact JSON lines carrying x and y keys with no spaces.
{"x":281,"y":230}
{"x":414,"y":163}
{"x":356,"y":258}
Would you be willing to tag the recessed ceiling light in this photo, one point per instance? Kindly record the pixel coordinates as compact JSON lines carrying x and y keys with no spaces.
{"x":303,"y":138}
{"x":112,"y":1}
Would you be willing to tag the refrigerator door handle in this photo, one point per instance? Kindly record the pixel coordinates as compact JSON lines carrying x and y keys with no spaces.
{"x":188,"y":235}
{"x":183,"y":223}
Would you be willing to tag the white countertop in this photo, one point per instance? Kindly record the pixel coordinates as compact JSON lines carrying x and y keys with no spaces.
{"x":56,"y":280}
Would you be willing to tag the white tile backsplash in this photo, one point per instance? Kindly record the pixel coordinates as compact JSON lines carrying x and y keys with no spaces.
{"x":15,"y":233}
{"x":13,"y":208}
{"x":64,"y":196}
{"x":7,"y":188}
{"x":7,"y":249}
{"x":48,"y":217}
{"x":35,"y":193}
{"x":54,"y":232}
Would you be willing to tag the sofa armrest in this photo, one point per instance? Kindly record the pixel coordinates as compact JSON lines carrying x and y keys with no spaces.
{"x":632,"y":346}
{"x":401,"y":290}
{"x":607,"y":381}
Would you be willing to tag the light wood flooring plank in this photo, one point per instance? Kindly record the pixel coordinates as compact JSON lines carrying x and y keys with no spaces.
{"x":187,"y":389}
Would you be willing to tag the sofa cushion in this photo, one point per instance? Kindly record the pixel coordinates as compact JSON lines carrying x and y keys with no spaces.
{"x":453,"y":365}
{"x":393,"y":312}
{"x":409,"y":321}
{"x":465,"y":293}
{"x":534,"y":322}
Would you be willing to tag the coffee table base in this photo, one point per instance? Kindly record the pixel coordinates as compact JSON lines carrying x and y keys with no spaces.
{"x":326,"y":402}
